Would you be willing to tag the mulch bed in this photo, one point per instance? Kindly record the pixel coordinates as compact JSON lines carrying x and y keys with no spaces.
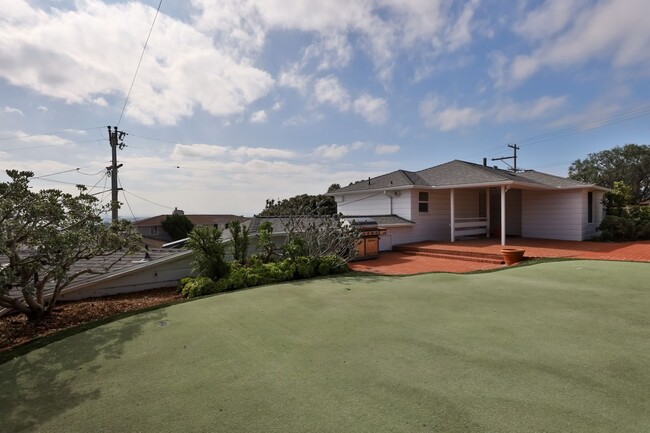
{"x":16,"y":329}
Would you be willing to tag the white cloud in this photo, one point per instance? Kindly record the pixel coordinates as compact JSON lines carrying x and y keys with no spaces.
{"x":44,"y":50}
{"x":382,"y":27}
{"x":42,"y":108}
{"x":259,"y":117}
{"x":572,"y":34}
{"x":263,"y":152}
{"x":358,"y":145}
{"x":331,"y":51}
{"x":277,"y":106}
{"x":550,"y":18}
{"x":512,"y":111}
{"x":329,"y":90}
{"x":12,"y":110}
{"x":332,"y":151}
{"x":374,"y":110}
{"x":199,"y":150}
{"x":446,"y":119}
{"x":386,"y":149}
{"x":295,"y":79}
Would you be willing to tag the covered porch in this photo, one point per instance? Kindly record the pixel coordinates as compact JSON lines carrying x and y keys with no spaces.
{"x":490,"y":212}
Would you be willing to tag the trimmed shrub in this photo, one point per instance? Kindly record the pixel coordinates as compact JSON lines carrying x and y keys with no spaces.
{"x":617,"y":229}
{"x":199,"y":286}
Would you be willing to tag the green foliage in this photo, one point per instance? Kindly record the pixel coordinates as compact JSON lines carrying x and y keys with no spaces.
{"x":629,"y":164}
{"x":209,"y":253}
{"x":632,"y":225}
{"x":265,"y":241}
{"x":618,"y":199}
{"x":239,"y":241}
{"x":257,"y":273}
{"x":44,"y":233}
{"x":294,"y":247}
{"x":306,"y":204}
{"x":178,"y":226}
{"x":199,"y":286}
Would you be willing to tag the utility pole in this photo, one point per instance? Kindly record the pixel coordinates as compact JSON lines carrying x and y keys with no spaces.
{"x":504,"y":158}
{"x":115,"y":138}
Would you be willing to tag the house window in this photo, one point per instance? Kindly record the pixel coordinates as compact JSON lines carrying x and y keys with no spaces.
{"x":423,"y":201}
{"x":154,"y":230}
{"x":590,"y":207}
{"x":216,"y":226}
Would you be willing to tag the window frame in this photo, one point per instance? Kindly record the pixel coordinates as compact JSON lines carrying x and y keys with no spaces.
{"x":590,"y":207}
{"x":423,"y":203}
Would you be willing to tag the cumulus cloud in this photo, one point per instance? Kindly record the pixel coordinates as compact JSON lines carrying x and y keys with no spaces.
{"x":332,"y":151}
{"x":374,"y":110}
{"x":446,"y":119}
{"x":383,"y":27}
{"x":574,"y":32}
{"x":43,"y":50}
{"x":259,"y":117}
{"x":328,"y":90}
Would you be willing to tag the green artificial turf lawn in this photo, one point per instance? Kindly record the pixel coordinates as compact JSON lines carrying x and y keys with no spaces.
{"x":556,"y":347}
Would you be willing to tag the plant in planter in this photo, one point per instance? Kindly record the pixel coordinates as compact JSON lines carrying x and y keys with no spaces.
{"x":512,"y":255}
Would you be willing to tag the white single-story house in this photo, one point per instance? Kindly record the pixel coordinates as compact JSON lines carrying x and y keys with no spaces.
{"x":459,"y":199}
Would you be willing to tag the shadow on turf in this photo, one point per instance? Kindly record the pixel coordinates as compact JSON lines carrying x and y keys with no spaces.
{"x":46,"y":378}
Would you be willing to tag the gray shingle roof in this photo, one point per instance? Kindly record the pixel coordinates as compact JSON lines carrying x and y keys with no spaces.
{"x":459,"y":173}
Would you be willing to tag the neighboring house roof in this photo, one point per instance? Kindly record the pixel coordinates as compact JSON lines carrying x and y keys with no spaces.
{"x":125,"y":265}
{"x":383,"y":220}
{"x":196,"y":219}
{"x":278,"y":223}
{"x":461,"y":173}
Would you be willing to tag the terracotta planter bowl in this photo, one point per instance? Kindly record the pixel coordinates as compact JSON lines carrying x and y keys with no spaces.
{"x":512,"y":255}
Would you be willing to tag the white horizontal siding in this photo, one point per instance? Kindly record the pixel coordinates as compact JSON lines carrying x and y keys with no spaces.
{"x":553,"y":214}
{"x":434,"y":224}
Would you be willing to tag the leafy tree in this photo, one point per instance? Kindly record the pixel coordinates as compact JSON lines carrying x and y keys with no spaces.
{"x":265,"y":241}
{"x":178,"y":226}
{"x":209,"y":253}
{"x":47,"y":238}
{"x":239,"y":241}
{"x":618,"y":199}
{"x":309,"y":204}
{"x":629,"y":164}
{"x":334,"y":187}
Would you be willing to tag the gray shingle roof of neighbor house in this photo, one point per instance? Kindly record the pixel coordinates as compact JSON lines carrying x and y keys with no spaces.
{"x":459,"y":173}
{"x":196,"y":219}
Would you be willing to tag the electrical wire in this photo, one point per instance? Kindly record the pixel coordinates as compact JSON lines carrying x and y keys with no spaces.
{"x":126,"y":199}
{"x":139,"y":62}
{"x":147,"y":200}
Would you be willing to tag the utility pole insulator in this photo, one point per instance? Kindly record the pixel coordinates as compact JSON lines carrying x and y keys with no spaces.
{"x":115,"y":138}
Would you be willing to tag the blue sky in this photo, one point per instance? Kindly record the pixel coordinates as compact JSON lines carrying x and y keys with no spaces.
{"x":237,"y":101}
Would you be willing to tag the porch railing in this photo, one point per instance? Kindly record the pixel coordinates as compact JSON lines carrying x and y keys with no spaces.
{"x":470,"y":226}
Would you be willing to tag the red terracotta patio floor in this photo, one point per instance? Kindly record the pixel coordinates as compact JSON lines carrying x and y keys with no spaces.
{"x":397,"y":263}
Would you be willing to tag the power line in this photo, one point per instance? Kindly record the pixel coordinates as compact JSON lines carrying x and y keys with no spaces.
{"x":126,"y":200}
{"x":147,"y":200}
{"x":139,"y":62}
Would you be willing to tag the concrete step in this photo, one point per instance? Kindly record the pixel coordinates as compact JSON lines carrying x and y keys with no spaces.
{"x":497,"y":260}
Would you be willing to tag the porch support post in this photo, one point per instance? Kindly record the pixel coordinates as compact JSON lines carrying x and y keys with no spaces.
{"x":503,"y":214}
{"x":452,"y":207}
{"x":487,"y":210}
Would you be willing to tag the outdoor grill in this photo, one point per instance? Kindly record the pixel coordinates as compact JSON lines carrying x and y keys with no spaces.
{"x":368,"y":245}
